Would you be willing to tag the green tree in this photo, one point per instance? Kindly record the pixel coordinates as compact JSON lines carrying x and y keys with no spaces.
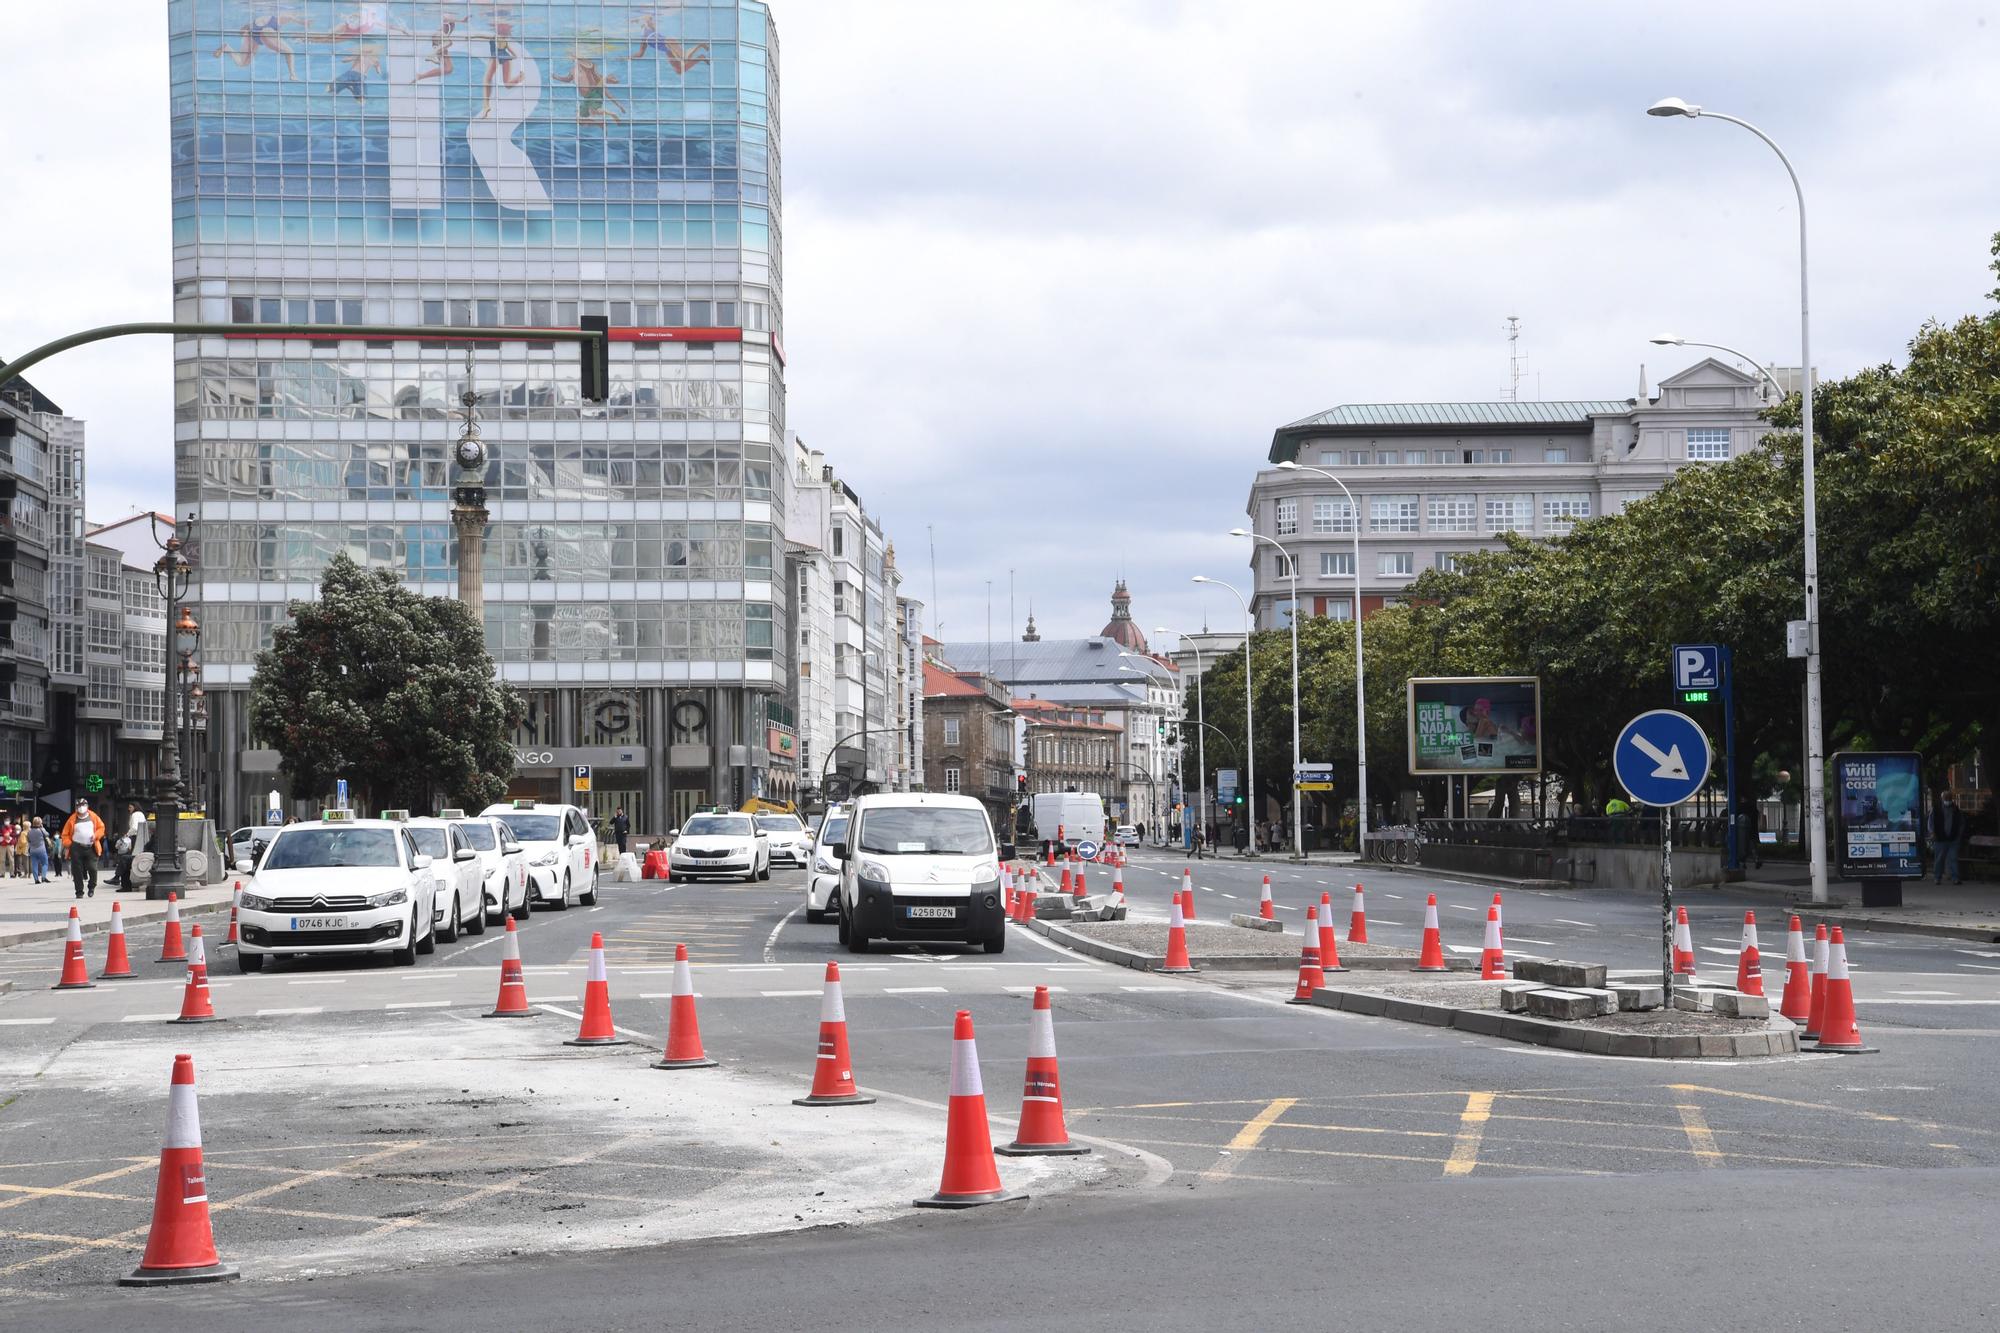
{"x":388,"y":688}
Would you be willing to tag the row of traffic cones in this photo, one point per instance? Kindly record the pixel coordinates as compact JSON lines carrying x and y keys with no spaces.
{"x":196,"y":1006}
{"x":75,"y":974}
{"x":1818,"y":994}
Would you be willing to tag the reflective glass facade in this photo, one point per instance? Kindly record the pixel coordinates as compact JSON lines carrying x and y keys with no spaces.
{"x":517,"y":165}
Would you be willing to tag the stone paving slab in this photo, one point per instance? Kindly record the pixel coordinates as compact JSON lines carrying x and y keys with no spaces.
{"x":1143,"y":945}
{"x":1660,"y":1034}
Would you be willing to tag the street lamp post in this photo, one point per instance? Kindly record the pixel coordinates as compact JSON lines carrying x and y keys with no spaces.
{"x":1200,"y":737}
{"x":1360,"y":682}
{"x":1675,"y":340}
{"x":1815,"y":737}
{"x":1249,"y":723}
{"x":173,"y":573}
{"x":1291,"y":567}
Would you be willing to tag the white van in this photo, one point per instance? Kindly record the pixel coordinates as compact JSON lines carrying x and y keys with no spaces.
{"x":920,"y":867}
{"x":1078,"y":814}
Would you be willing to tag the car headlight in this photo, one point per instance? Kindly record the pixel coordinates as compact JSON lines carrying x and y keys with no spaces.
{"x":546,"y":859}
{"x":254,"y":902}
{"x":873,"y":870}
{"x":824,"y":866}
{"x":390,"y":899}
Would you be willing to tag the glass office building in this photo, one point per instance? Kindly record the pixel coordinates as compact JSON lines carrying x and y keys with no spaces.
{"x":511,"y":165}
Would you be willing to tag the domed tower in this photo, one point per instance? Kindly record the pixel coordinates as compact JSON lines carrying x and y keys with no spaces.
{"x":1121,"y":626}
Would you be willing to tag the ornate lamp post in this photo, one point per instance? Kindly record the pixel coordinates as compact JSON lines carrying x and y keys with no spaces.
{"x":187,"y":675}
{"x":468,"y":504}
{"x":173,"y":572}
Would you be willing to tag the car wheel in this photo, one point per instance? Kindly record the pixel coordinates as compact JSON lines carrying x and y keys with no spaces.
{"x":590,"y":899}
{"x":447,"y":933}
{"x":429,"y":943}
{"x":407,"y":955}
{"x":840,"y":921}
{"x":249,"y":962}
{"x":997,"y":943}
{"x":478,"y":926}
{"x":562,"y":903}
{"x":815,"y":916}
{"x":857,"y":939}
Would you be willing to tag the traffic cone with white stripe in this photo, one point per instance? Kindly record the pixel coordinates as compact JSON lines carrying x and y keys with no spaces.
{"x":1837,"y":1029}
{"x":1431,"y":957}
{"x":1177,"y":950}
{"x":235,"y":900}
{"x":172,"y":948}
{"x":971,"y":1176}
{"x":1118,"y":884}
{"x":180,"y":1245}
{"x":1797,"y":1002}
{"x":1041,"y":1131}
{"x":1750,"y":963}
{"x":1081,"y":887}
{"x":833,"y":1073}
{"x":683,"y":1031}
{"x":596,"y":1028}
{"x":1311,"y":975}
{"x":75,"y":973}
{"x":1067,"y":890}
{"x":1357,"y":923}
{"x":1265,"y":910}
{"x":1683,"y":944}
{"x":1496,"y":908}
{"x":1329,"y":953}
{"x":1492,"y":958}
{"x":196,"y":1006}
{"x":513,"y":1001}
{"x":117,"y":963}
{"x":1187,"y":893}
{"x":1822,"y":958}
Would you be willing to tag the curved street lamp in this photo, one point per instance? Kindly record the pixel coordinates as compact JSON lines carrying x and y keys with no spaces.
{"x":1249,"y":723}
{"x":1291,"y":568}
{"x":1200,"y":735}
{"x":1675,"y":340}
{"x":1815,"y":738}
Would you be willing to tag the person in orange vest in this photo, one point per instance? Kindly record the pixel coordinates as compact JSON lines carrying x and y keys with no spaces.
{"x":82,"y":836}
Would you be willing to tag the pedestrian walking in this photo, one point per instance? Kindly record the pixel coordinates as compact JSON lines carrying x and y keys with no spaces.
{"x":20,"y":845}
{"x":7,"y":834}
{"x":1749,"y":847}
{"x":1947,"y":834}
{"x":620,"y":827}
{"x":38,"y":850}
{"x":82,"y":836}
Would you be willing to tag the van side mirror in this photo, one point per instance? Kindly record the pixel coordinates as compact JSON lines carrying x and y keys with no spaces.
{"x":245,"y":866}
{"x":465,"y":854}
{"x":840,"y":851}
{"x":421,"y":862}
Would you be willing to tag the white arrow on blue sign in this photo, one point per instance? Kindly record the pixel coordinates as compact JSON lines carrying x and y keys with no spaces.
{"x":1662,"y":757}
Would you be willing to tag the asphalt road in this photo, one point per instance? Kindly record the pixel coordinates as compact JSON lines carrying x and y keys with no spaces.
{"x":1257,"y":1161}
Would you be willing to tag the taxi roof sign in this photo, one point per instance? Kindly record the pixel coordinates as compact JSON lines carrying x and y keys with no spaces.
{"x":524,"y":803}
{"x":400,"y":816}
{"x":451,"y":813}
{"x":340,"y":816}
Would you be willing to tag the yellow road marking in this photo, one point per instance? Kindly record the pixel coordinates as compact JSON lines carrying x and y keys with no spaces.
{"x":1701,"y":1142}
{"x":1471,"y":1129}
{"x":29,"y":1192}
{"x":1785,"y":1101}
{"x":1247,"y":1137}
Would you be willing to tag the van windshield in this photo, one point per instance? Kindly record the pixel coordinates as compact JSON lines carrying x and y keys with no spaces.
{"x":922,"y":830}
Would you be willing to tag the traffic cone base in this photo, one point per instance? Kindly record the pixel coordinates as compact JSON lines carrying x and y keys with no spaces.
{"x":845,"y":1099}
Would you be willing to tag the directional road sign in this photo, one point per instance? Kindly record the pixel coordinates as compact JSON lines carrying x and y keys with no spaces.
{"x":1661,"y":758}
{"x":1087,"y":850}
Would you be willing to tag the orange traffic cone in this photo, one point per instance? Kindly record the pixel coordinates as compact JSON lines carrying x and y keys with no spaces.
{"x":1177,"y":950}
{"x":117,"y":963}
{"x":1028,"y":907}
{"x":683,"y":1031}
{"x":1311,"y":975}
{"x":833,"y":1073}
{"x":513,"y":1001}
{"x":1067,"y":889}
{"x":1838,"y":1031}
{"x":971,"y":1176}
{"x":1749,"y":963}
{"x":1082,"y":889}
{"x":1797,"y":1002}
{"x":1822,"y":957}
{"x":1264,"y":908}
{"x":1492,"y":959}
{"x":195,"y":1004}
{"x":1683,"y":944}
{"x":75,"y":972}
{"x":1357,"y":924}
{"x":172,"y":949}
{"x":1329,"y":955}
{"x":1431,"y":957}
{"x":235,"y":900}
{"x":596,"y":1029}
{"x":180,"y":1246}
{"x":1187,"y":894}
{"x":1041,"y":1132}
{"x":1496,"y":907}
{"x":1118,"y":882}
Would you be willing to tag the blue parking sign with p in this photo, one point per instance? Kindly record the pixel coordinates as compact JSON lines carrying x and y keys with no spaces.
{"x":1697,"y":666}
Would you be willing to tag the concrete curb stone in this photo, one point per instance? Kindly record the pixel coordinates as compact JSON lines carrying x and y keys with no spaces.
{"x":1779,"y":1038}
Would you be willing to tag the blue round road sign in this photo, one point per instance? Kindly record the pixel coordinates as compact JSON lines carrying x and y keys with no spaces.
{"x":1087,"y":850}
{"x":1662,"y":757}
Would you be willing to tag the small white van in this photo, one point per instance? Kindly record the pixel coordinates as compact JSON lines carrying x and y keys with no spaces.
{"x":919,"y":866}
{"x":1079,"y":815}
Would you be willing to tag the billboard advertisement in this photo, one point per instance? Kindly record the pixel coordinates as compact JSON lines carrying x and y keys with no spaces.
{"x":1881,"y":810}
{"x":1484,"y":724}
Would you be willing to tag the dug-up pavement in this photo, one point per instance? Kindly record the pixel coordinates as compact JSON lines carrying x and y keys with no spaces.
{"x":436,"y":1139}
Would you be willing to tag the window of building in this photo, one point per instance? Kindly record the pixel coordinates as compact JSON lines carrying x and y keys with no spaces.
{"x":1333,"y":516}
{"x":1420,"y":456}
{"x":1395,"y":562}
{"x":1499,"y":455}
{"x":951,"y":779}
{"x":1360,"y":458}
{"x":839,"y":540}
{"x":1288,"y":517}
{"x":1708,"y":444}
{"x":1339,"y":608}
{"x":1555,"y":453}
{"x":1392,"y":513}
{"x":951,"y":731}
{"x":1336,"y":564}
{"x":1454,"y":513}
{"x":1388,"y":456}
{"x":1560,"y":511}
{"x":1448,"y":561}
{"x":1331,"y":458}
{"x":1509,"y":513}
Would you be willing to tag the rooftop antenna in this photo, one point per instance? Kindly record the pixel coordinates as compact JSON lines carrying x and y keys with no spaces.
{"x":1516,"y":362}
{"x":937,"y":625}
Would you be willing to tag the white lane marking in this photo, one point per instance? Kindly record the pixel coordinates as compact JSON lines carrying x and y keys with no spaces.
{"x":771,"y":944}
{"x":1726,"y":953}
{"x":1923,"y":992}
{"x":1984,"y":967}
{"x":494,"y":934}
{"x":1061,"y":990}
{"x":41,"y":1022}
{"x":319,"y":981}
{"x":1976,"y":953}
{"x":1463,"y":948}
{"x":1148,"y":988}
{"x":1941,"y":1003}
{"x":1546,"y":944}
{"x":550,"y":970}
{"x":1461,"y":907}
{"x":786,"y":994}
{"x":134,"y":1018}
{"x":663,"y":995}
{"x":913,"y":990}
{"x":420,"y":1004}
{"x":770,"y":967}
{"x":1397,"y":896}
{"x":1230,"y":896}
{"x":594,"y":909}
{"x":288,"y":1013}
{"x":1565,"y":921}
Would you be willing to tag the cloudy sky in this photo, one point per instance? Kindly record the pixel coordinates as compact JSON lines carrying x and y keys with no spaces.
{"x":1055,"y":270}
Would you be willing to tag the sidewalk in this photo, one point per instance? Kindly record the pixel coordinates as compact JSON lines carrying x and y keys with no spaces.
{"x":31,"y":912}
{"x":1963,"y":911}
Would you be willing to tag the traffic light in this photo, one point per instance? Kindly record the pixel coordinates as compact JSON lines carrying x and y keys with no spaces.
{"x":1020,"y":782}
{"x":1239,"y":798}
{"x":594,"y":356}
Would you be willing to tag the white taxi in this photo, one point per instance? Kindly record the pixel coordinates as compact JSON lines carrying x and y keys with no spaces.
{"x":461,"y":900}
{"x":503,"y":864}
{"x":561,"y":850}
{"x":343,"y":885}
{"x":722,"y":845}
{"x":789,"y":838}
{"x":823,"y":872}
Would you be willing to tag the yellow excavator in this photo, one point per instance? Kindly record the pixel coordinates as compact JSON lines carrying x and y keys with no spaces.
{"x":757,"y":805}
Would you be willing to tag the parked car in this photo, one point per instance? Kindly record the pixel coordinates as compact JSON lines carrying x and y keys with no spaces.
{"x":343,"y":885}
{"x":920,"y":866}
{"x":1127,"y":835}
{"x":561,"y":850}
{"x":720,"y":846}
{"x":823,"y":872}
{"x":503,"y":864}
{"x":790,"y":841}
